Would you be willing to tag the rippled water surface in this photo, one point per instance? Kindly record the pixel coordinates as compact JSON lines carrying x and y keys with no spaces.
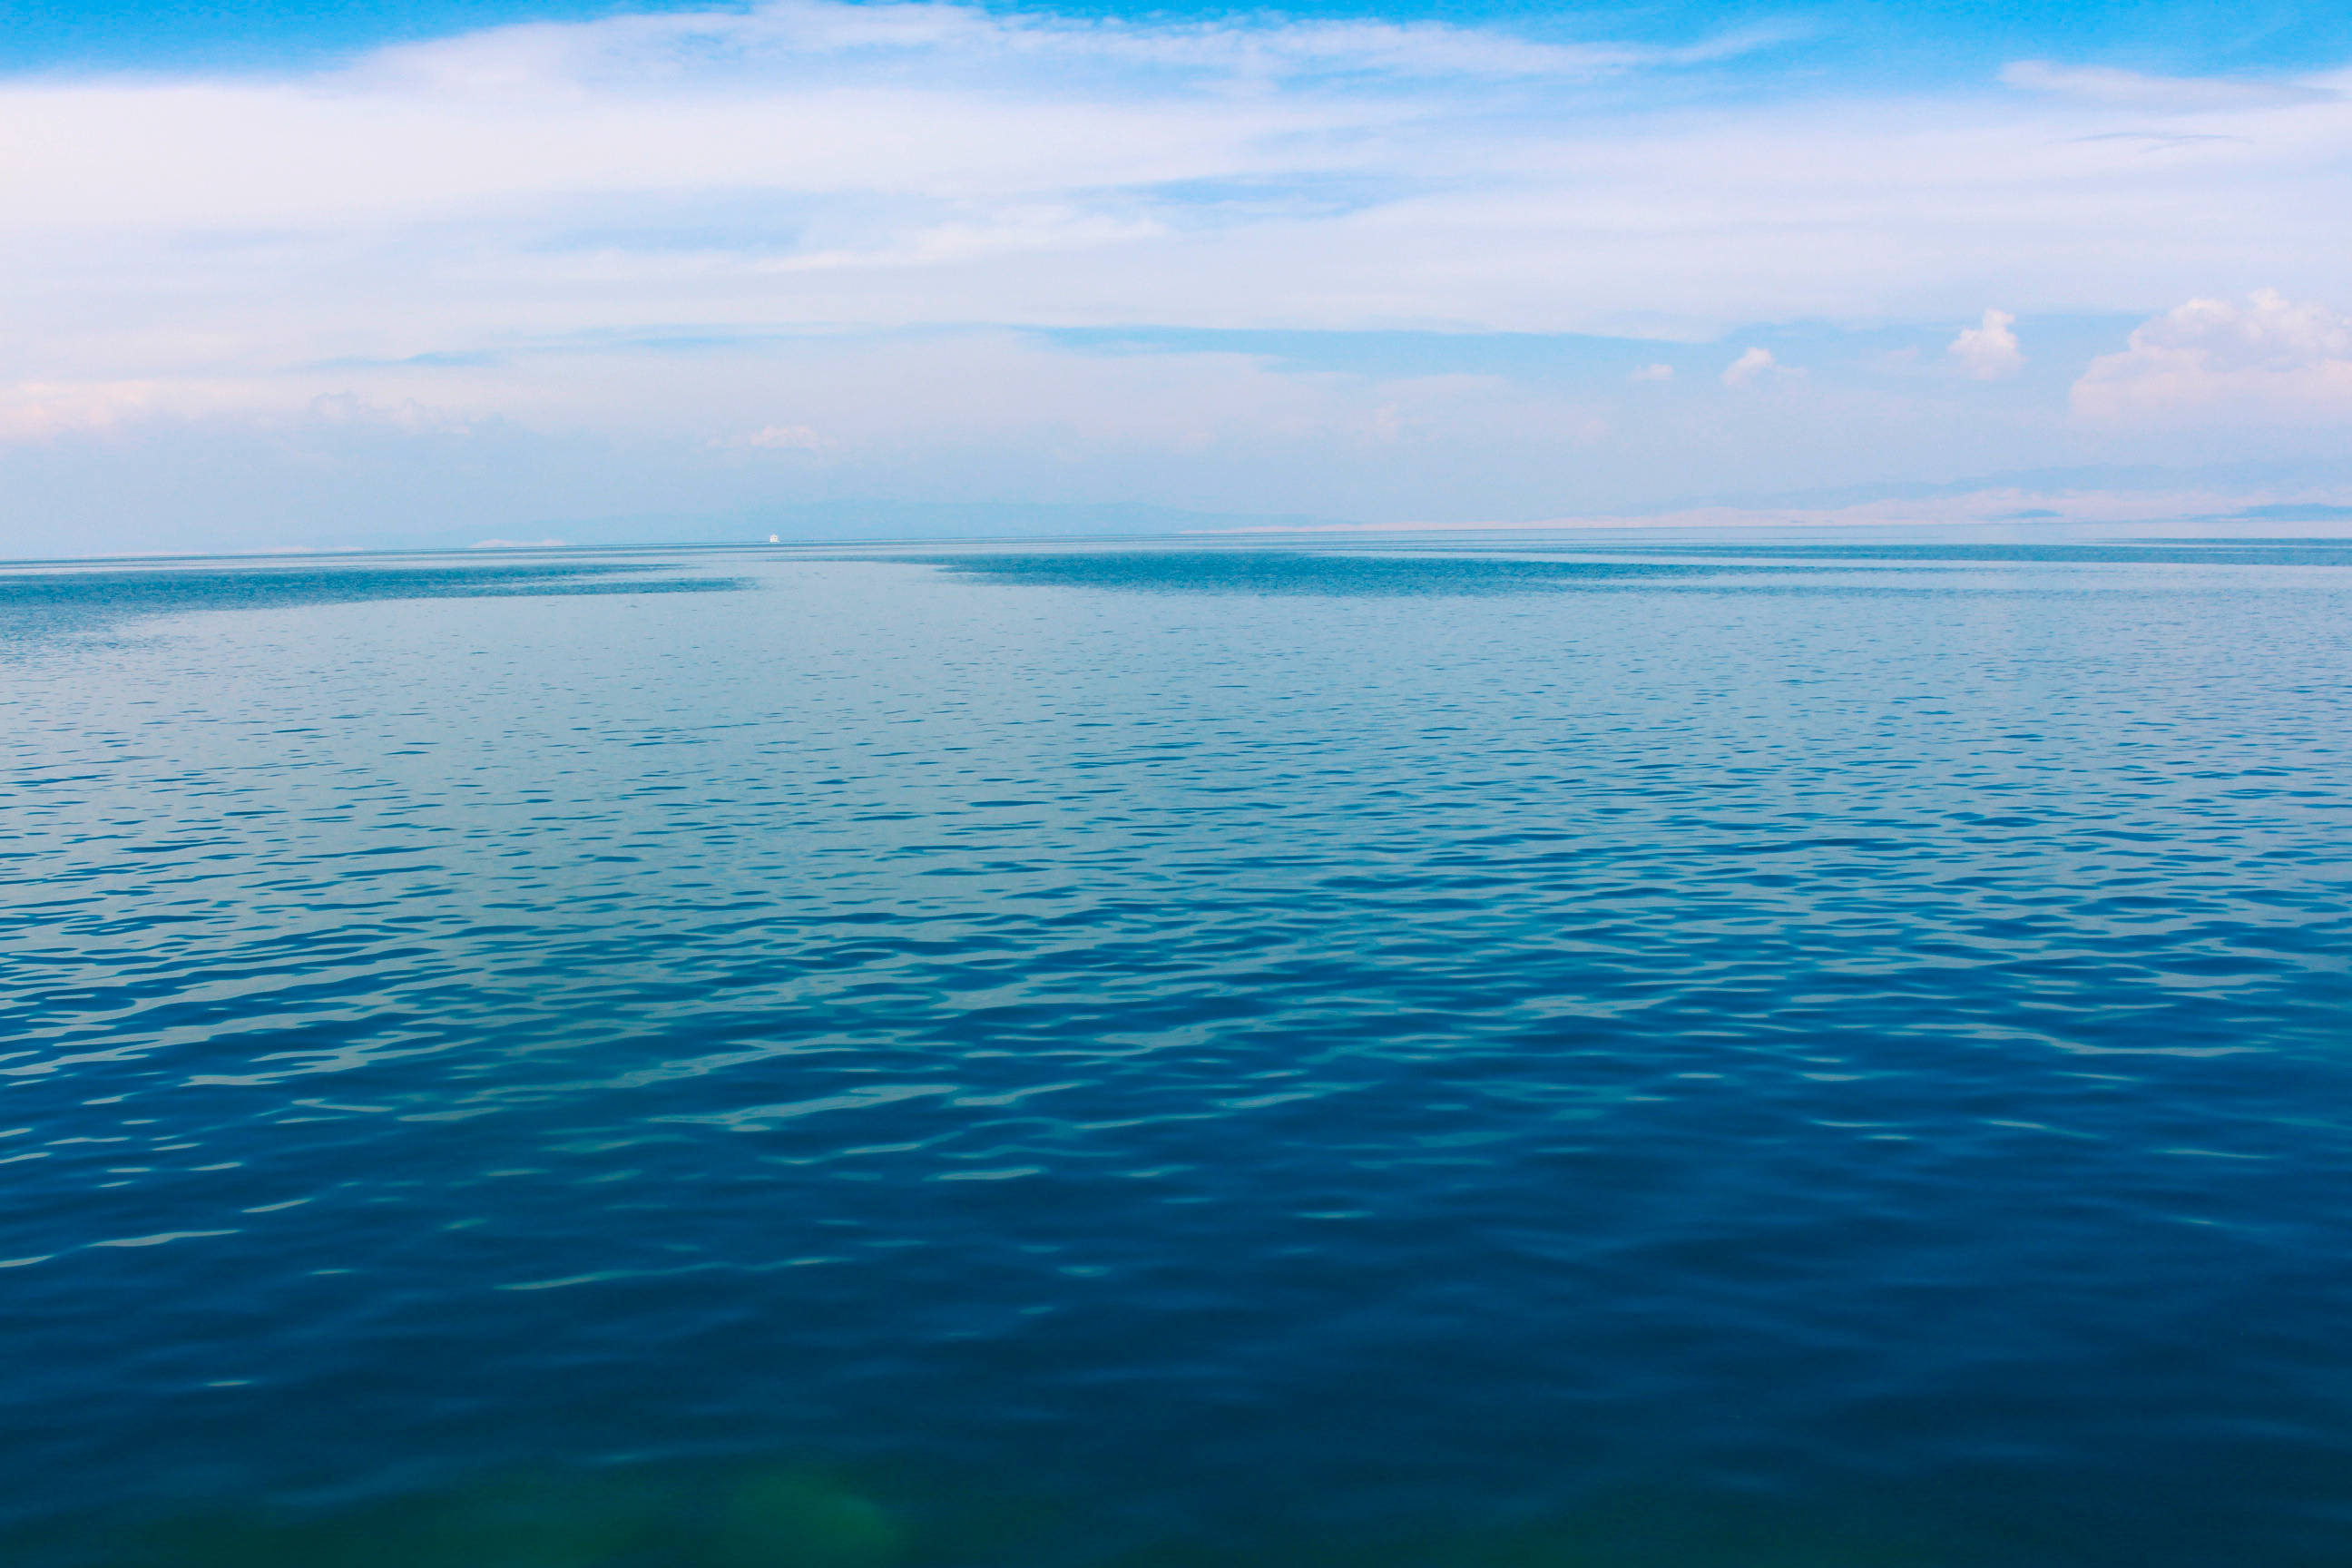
{"x":1718,"y":1056}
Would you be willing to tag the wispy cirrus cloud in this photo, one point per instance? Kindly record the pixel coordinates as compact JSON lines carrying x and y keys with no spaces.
{"x":840,"y":219}
{"x":2110,"y":88}
{"x":944,"y":164}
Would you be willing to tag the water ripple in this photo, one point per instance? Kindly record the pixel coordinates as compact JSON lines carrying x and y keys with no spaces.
{"x":1401,"y":1059}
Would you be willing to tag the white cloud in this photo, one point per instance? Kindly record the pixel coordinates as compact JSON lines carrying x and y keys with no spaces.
{"x":2271,"y":360}
{"x":828,"y":165}
{"x":802,"y":37}
{"x":1654,"y":372}
{"x":1744,"y":371}
{"x":1989,"y":350}
{"x":32,"y":411}
{"x":2110,"y":88}
{"x":695,"y":227}
{"x":787,"y":439}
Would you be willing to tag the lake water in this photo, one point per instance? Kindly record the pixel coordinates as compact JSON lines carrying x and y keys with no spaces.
{"x":1733,"y":1053}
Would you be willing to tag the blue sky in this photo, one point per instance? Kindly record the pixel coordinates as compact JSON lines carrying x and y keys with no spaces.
{"x":1922,"y":38}
{"x":288,"y":276}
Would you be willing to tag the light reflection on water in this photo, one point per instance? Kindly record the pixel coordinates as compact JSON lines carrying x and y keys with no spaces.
{"x":1180,"y":1057}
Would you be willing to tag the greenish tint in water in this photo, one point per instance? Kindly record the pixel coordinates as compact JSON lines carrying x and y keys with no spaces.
{"x":782,"y":1516}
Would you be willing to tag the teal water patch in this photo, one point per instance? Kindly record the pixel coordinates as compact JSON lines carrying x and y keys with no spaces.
{"x":1319,"y":572}
{"x":2166,"y":552}
{"x":54,"y":600}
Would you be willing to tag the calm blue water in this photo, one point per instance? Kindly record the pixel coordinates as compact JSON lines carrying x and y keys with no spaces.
{"x":1703,"y":1054}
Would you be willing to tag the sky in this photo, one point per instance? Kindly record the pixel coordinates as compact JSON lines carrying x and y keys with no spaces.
{"x":455,"y":270}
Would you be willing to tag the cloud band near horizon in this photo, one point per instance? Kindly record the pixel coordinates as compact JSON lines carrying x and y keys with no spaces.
{"x":877,"y":228}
